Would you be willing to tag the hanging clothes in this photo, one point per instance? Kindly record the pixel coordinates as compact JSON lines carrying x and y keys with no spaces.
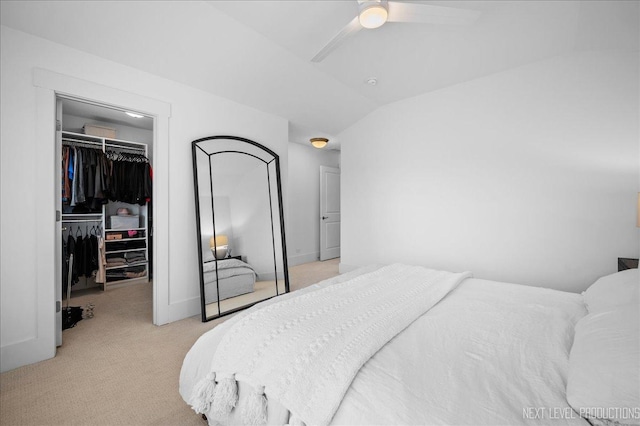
{"x":90,"y":178}
{"x":86,"y":256}
{"x":89,"y":171}
{"x":78,"y":255}
{"x":80,"y":174}
{"x":130,"y":178}
{"x":93,"y":255}
{"x":102,"y":262}
{"x":84,"y":178}
{"x":100,"y":181}
{"x":73,"y":166}
{"x":70,"y":248}
{"x":89,"y":260}
{"x":66,"y":183}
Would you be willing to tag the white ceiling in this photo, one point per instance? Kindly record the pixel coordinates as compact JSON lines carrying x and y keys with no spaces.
{"x":258,"y":52}
{"x":102,"y":113}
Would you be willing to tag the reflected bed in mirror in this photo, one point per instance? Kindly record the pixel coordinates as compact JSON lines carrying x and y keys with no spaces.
{"x":240,"y":224}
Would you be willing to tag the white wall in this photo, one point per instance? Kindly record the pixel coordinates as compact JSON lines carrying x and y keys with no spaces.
{"x":194,"y":114}
{"x":251,"y":217}
{"x":303,"y":228}
{"x":527,"y":176}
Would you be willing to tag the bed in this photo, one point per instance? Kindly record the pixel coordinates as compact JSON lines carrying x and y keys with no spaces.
{"x":235,"y":278}
{"x":482,"y":352}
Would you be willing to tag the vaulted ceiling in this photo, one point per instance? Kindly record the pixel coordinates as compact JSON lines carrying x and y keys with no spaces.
{"x":258,"y":52}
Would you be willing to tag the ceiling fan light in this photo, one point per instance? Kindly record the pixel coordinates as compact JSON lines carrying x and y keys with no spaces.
{"x":373,"y":16}
{"x":319,"y":142}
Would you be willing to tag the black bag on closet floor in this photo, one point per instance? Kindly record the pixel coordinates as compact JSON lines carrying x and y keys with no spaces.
{"x":70,"y":316}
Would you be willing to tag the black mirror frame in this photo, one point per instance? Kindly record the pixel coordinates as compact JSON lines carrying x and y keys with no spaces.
{"x":276,"y":159}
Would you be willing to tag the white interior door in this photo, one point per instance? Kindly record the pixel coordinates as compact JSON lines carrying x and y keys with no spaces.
{"x":329,"y":212}
{"x":58,"y":243}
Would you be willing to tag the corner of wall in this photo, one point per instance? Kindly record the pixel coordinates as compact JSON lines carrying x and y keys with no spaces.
{"x":344,"y":268}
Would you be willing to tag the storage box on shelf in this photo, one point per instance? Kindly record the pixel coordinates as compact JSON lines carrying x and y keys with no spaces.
{"x":100,"y":131}
{"x":124,"y":222}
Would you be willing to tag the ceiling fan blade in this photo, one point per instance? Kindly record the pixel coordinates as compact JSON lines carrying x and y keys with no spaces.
{"x":350,"y":29}
{"x":428,"y":14}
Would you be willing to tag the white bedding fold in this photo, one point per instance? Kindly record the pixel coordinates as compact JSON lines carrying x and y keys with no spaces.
{"x":226,"y":268}
{"x":490,"y":353}
{"x":305,"y":351}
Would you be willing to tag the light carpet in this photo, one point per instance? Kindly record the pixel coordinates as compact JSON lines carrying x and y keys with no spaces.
{"x":117,"y":368}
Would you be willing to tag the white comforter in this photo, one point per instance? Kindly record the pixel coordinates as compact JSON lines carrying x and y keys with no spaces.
{"x":305,"y":351}
{"x":226,"y":268}
{"x":488,"y":353}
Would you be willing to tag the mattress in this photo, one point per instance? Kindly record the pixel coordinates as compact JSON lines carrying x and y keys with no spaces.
{"x":488,"y":353}
{"x":235,"y":277}
{"x":229,"y":287}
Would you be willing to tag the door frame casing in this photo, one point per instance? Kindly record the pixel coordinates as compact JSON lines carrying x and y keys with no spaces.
{"x":48,"y":85}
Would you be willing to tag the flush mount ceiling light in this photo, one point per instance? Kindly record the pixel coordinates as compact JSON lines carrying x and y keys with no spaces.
{"x":373,"y":14}
{"x":134,"y":115}
{"x":319,"y":142}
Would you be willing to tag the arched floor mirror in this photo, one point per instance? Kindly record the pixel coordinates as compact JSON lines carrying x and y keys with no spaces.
{"x":241,"y":240}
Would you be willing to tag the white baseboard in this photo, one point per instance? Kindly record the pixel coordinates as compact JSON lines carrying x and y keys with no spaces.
{"x":24,"y":353}
{"x":183,"y":309}
{"x":303,"y":258}
{"x":269,"y":276}
{"x":191,"y":307}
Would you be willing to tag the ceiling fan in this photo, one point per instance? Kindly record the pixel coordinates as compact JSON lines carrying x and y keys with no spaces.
{"x":374,"y":13}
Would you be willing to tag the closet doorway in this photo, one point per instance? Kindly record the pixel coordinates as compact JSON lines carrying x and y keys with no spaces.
{"x":104,"y":205}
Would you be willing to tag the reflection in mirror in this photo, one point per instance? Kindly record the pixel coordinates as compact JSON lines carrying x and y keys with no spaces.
{"x":241,"y":241}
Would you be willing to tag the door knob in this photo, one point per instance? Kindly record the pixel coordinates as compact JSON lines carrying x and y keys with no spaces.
{"x":325,"y":217}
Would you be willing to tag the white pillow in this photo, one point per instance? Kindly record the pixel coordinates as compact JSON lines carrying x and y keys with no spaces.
{"x":604,"y":366}
{"x":612,"y":291}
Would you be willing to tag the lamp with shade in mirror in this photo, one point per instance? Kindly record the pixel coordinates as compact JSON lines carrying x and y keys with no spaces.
{"x":219,"y":246}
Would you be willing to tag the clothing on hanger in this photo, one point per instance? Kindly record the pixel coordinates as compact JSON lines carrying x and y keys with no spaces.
{"x":102,"y":261}
{"x":90,"y":178}
{"x":70,"y":248}
{"x":83,"y":179}
{"x":130,"y":178}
